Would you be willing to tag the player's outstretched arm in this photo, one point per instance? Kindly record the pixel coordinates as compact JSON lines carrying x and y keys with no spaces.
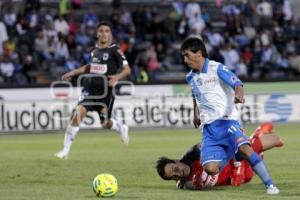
{"x":113,"y":79}
{"x":69,"y":75}
{"x":188,"y":185}
{"x":239,"y":94}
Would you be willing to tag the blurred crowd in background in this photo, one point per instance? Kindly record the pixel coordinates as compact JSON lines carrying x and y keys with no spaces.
{"x":41,"y":40}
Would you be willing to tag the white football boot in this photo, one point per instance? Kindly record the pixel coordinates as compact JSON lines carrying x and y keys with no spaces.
{"x":124,"y":135}
{"x":272,"y":189}
{"x":62,"y":154}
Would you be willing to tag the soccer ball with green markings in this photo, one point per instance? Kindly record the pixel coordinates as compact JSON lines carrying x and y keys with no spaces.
{"x":105,"y":185}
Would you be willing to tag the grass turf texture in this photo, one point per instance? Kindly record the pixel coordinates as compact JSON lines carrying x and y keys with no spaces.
{"x":28,"y":170}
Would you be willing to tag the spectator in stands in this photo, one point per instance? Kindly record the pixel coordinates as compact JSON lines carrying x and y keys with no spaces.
{"x":218,"y":3}
{"x":264,"y":10}
{"x":241,"y":70}
{"x":125,"y":18}
{"x":231,"y":57}
{"x":19,"y":77}
{"x":61,"y":50}
{"x":194,"y":17}
{"x":153,"y":64}
{"x":284,"y":65}
{"x":7,"y":69}
{"x":81,"y":38}
{"x":196,"y":25}
{"x":179,"y":7}
{"x":214,"y":37}
{"x":182,"y":29}
{"x":71,"y":64}
{"x":268,"y":58}
{"x":140,"y":21}
{"x":76,"y":4}
{"x":90,"y":19}
{"x":30,"y":69}
{"x":247,"y":55}
{"x":278,"y":15}
{"x":287,"y":10}
{"x":40,"y":44}
{"x":206,"y":16}
{"x":10,"y":19}
{"x":32,"y":5}
{"x":50,"y":33}
{"x":61,"y":25}
{"x":170,"y":23}
{"x":248,"y":12}
{"x":73,"y":25}
{"x":160,"y":43}
{"x":9,"y":47}
{"x":116,"y":4}
{"x":143,"y":76}
{"x":71,"y":43}
{"x":33,"y":19}
{"x":291,"y":46}
{"x":242,"y":40}
{"x":47,"y":17}
{"x":157,"y":23}
{"x":215,"y":54}
{"x":294,"y":59}
{"x":232,"y":16}
{"x":64,"y":7}
{"x":22,"y":26}
{"x":192,"y":9}
{"x":49,"y":51}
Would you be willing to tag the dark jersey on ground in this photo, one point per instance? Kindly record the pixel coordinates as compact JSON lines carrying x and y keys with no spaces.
{"x":104,"y":62}
{"x":192,"y":155}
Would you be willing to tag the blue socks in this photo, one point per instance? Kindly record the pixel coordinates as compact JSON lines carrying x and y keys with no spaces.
{"x":260,"y":169}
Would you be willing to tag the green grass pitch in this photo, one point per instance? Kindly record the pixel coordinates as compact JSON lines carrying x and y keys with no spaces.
{"x":28,"y":170}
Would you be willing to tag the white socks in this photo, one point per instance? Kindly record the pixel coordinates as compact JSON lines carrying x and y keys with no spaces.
{"x":70,"y":134}
{"x":116,"y":126}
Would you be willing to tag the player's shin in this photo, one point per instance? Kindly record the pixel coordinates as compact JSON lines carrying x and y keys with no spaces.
{"x":70,"y":135}
{"x":116,"y":125}
{"x":260,"y":169}
{"x":122,"y":129}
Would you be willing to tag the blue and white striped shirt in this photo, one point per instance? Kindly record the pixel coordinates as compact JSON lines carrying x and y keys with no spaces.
{"x":213,"y":89}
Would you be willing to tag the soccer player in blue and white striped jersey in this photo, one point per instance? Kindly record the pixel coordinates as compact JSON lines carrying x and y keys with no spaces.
{"x":215,"y":91}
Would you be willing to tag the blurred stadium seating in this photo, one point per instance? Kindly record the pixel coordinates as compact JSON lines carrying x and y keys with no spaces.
{"x":42,"y":39}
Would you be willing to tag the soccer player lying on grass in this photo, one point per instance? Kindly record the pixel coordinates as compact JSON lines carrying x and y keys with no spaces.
{"x":189,"y":173}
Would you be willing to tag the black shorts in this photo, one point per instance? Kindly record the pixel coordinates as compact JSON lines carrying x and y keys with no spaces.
{"x":97,"y":105}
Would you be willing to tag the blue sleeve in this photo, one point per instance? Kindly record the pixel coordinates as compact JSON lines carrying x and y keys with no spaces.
{"x":228,"y":76}
{"x":193,"y":95}
{"x":189,"y":80}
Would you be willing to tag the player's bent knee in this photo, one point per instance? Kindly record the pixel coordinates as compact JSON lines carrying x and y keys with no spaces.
{"x":106,"y":124}
{"x":246,"y":150}
{"x":212,"y":168}
{"x":74,"y":122}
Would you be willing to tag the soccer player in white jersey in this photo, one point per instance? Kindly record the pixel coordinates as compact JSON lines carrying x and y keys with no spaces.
{"x":215,"y":91}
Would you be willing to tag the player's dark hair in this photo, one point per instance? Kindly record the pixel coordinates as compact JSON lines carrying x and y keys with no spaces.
{"x":194,"y":44}
{"x":105,"y":23}
{"x":160,"y":167}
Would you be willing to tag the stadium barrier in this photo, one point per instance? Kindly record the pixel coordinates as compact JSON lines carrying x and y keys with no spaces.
{"x":141,"y":106}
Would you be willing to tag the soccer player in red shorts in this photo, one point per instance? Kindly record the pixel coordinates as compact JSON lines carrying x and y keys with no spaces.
{"x":189,"y":174}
